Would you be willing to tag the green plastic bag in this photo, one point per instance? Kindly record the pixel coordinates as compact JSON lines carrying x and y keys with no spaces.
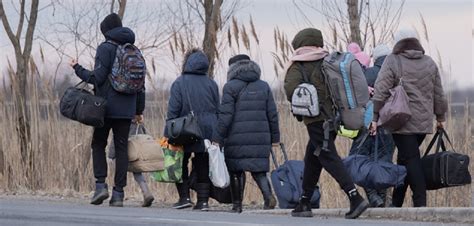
{"x":173,"y":171}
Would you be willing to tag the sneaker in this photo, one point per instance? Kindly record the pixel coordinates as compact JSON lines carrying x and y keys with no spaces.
{"x":203,"y":206}
{"x":270,"y":203}
{"x":358,"y":205}
{"x":101,"y":193}
{"x":303,"y":209}
{"x":236,"y":208}
{"x":117,"y":199}
{"x":183,"y":203}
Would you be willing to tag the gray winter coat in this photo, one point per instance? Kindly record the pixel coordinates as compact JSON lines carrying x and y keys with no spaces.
{"x":204,"y":95}
{"x":421,"y":81}
{"x":248,"y":119}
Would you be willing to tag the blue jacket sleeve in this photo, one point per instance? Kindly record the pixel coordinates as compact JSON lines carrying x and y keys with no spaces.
{"x":226,"y":114}
{"x":102,"y":66}
{"x":272,"y":115}
{"x":174,"y":104}
{"x":140,"y":103}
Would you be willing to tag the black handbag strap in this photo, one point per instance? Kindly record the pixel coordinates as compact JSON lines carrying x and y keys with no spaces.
{"x":438,"y":138}
{"x":187,"y":95}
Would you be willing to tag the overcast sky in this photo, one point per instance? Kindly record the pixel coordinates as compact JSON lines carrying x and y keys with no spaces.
{"x":450,"y":24}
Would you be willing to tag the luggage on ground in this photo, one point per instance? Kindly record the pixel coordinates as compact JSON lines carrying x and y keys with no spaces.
{"x":79,"y":104}
{"x":144,"y":152}
{"x":218,"y":172}
{"x":128,"y":70}
{"x":287,"y":181}
{"x":444,"y":168}
{"x":173,"y":165}
{"x":370,"y":172}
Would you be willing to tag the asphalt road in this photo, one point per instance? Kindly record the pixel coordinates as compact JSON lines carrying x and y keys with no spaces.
{"x":52,"y":213}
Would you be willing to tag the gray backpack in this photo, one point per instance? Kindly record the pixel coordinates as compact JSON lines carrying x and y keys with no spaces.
{"x":348,"y":87}
{"x":304,"y":100}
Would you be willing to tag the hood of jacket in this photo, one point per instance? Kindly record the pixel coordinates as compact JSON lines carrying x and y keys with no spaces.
{"x":197,"y":63}
{"x":308,"y":37}
{"x":354,"y":48}
{"x":121,"y":35}
{"x":244,"y":70}
{"x":409,"y":48}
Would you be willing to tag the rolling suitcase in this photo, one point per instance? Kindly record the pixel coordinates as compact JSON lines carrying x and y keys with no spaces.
{"x":287,"y":181}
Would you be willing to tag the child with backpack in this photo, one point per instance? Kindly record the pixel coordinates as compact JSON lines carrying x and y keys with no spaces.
{"x":122,"y":85}
{"x":307,"y":67}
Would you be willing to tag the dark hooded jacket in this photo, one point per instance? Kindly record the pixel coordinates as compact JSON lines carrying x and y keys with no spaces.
{"x":372,"y":72}
{"x":248,"y":119}
{"x":203,"y":93}
{"x":119,"y":106}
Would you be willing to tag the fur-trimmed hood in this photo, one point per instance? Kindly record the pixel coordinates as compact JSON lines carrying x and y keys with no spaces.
{"x":245,"y":70}
{"x":409,"y":48}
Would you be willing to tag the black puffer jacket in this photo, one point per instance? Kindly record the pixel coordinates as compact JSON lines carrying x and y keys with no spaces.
{"x":372,"y":72}
{"x":203,"y":93}
{"x":248,"y":119}
{"x":120,"y":106}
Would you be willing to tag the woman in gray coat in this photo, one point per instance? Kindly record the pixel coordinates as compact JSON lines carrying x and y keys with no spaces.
{"x":422,"y":83}
{"x":247,"y":128}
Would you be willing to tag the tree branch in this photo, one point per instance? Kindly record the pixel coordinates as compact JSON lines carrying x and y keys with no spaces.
{"x":22,"y":19}
{"x":14,"y":40}
{"x":31,"y":28}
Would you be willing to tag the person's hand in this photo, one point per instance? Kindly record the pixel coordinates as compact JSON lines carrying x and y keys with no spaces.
{"x":371,"y":91}
{"x":275,"y":145}
{"x":73,"y":62}
{"x":373,"y":128}
{"x":439,"y":125}
{"x":139,"y":119}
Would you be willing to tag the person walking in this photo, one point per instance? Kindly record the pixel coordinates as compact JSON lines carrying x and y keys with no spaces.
{"x":309,"y":53}
{"x":422,"y":82}
{"x":247,"y":128}
{"x":360,"y":55}
{"x":386,"y":146}
{"x":120,"y":110}
{"x":195,"y":82}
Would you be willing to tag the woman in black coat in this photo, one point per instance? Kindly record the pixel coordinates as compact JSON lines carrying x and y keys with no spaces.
{"x":204,"y":98}
{"x":247,"y":128}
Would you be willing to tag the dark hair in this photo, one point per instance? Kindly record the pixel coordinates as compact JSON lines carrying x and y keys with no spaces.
{"x":186,"y":56}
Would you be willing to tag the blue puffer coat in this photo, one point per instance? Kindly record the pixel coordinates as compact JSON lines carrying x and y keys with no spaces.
{"x":248,"y":119}
{"x":372,"y":72}
{"x":119,"y":106}
{"x":204,"y":95}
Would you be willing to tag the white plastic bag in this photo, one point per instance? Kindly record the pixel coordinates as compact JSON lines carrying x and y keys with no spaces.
{"x":217,"y":169}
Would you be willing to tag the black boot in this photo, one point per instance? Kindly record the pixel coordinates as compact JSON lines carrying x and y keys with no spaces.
{"x":358,"y":204}
{"x":101,"y":193}
{"x":236,"y":187}
{"x":202,"y":190}
{"x":266,"y":189}
{"x":383,"y":195}
{"x":117,"y":198}
{"x":303,"y":209}
{"x":184,"y":198}
{"x":374,"y":199}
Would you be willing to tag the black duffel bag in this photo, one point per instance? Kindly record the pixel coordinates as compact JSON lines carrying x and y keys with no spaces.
{"x":184,"y":130}
{"x":444,"y":168}
{"x":79,"y":104}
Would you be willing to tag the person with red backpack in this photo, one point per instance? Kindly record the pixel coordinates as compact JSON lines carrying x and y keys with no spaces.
{"x":122,"y":85}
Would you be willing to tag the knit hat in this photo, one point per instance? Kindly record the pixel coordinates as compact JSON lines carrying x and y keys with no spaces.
{"x":237,"y":58}
{"x":380,"y":51}
{"x":404,"y":34}
{"x":110,"y":22}
{"x":360,"y":55}
{"x":308,"y":37}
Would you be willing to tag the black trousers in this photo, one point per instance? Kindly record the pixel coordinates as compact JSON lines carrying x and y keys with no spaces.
{"x":120,"y":128}
{"x":200,"y":165}
{"x":409,"y":156}
{"x":329,"y":160}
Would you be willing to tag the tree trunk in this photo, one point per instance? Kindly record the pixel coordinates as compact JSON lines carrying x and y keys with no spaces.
{"x":122,"y":6}
{"x":354,"y":20}
{"x":212,"y":24}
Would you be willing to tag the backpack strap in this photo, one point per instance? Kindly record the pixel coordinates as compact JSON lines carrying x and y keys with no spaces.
{"x":187,"y":95}
{"x":112,"y":42}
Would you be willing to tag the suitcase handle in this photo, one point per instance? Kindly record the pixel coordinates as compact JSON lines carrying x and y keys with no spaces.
{"x":285,"y":156}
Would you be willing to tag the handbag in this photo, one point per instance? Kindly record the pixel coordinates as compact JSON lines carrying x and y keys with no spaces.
{"x":218,"y":172}
{"x":373,"y":173}
{"x":80,"y":104}
{"x":144,"y":153}
{"x":396,"y":111}
{"x":184,"y":130}
{"x":173,"y":164}
{"x":444,"y":168}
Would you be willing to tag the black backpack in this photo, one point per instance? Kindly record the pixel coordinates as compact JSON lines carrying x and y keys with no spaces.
{"x":444,"y":168}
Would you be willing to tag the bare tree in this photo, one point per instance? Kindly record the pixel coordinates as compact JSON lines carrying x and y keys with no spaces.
{"x":354,"y":20}
{"x":22,"y":57}
{"x":212,"y":24}
{"x":122,"y":7}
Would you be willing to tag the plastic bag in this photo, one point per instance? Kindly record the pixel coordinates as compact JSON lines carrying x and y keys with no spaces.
{"x":173,"y":171}
{"x":217,"y":168}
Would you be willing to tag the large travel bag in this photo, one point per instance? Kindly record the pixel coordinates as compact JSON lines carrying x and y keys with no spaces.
{"x":444,"y":168}
{"x":287,"y":181}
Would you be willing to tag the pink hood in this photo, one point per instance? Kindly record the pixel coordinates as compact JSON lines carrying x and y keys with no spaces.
{"x":361,"y":56}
